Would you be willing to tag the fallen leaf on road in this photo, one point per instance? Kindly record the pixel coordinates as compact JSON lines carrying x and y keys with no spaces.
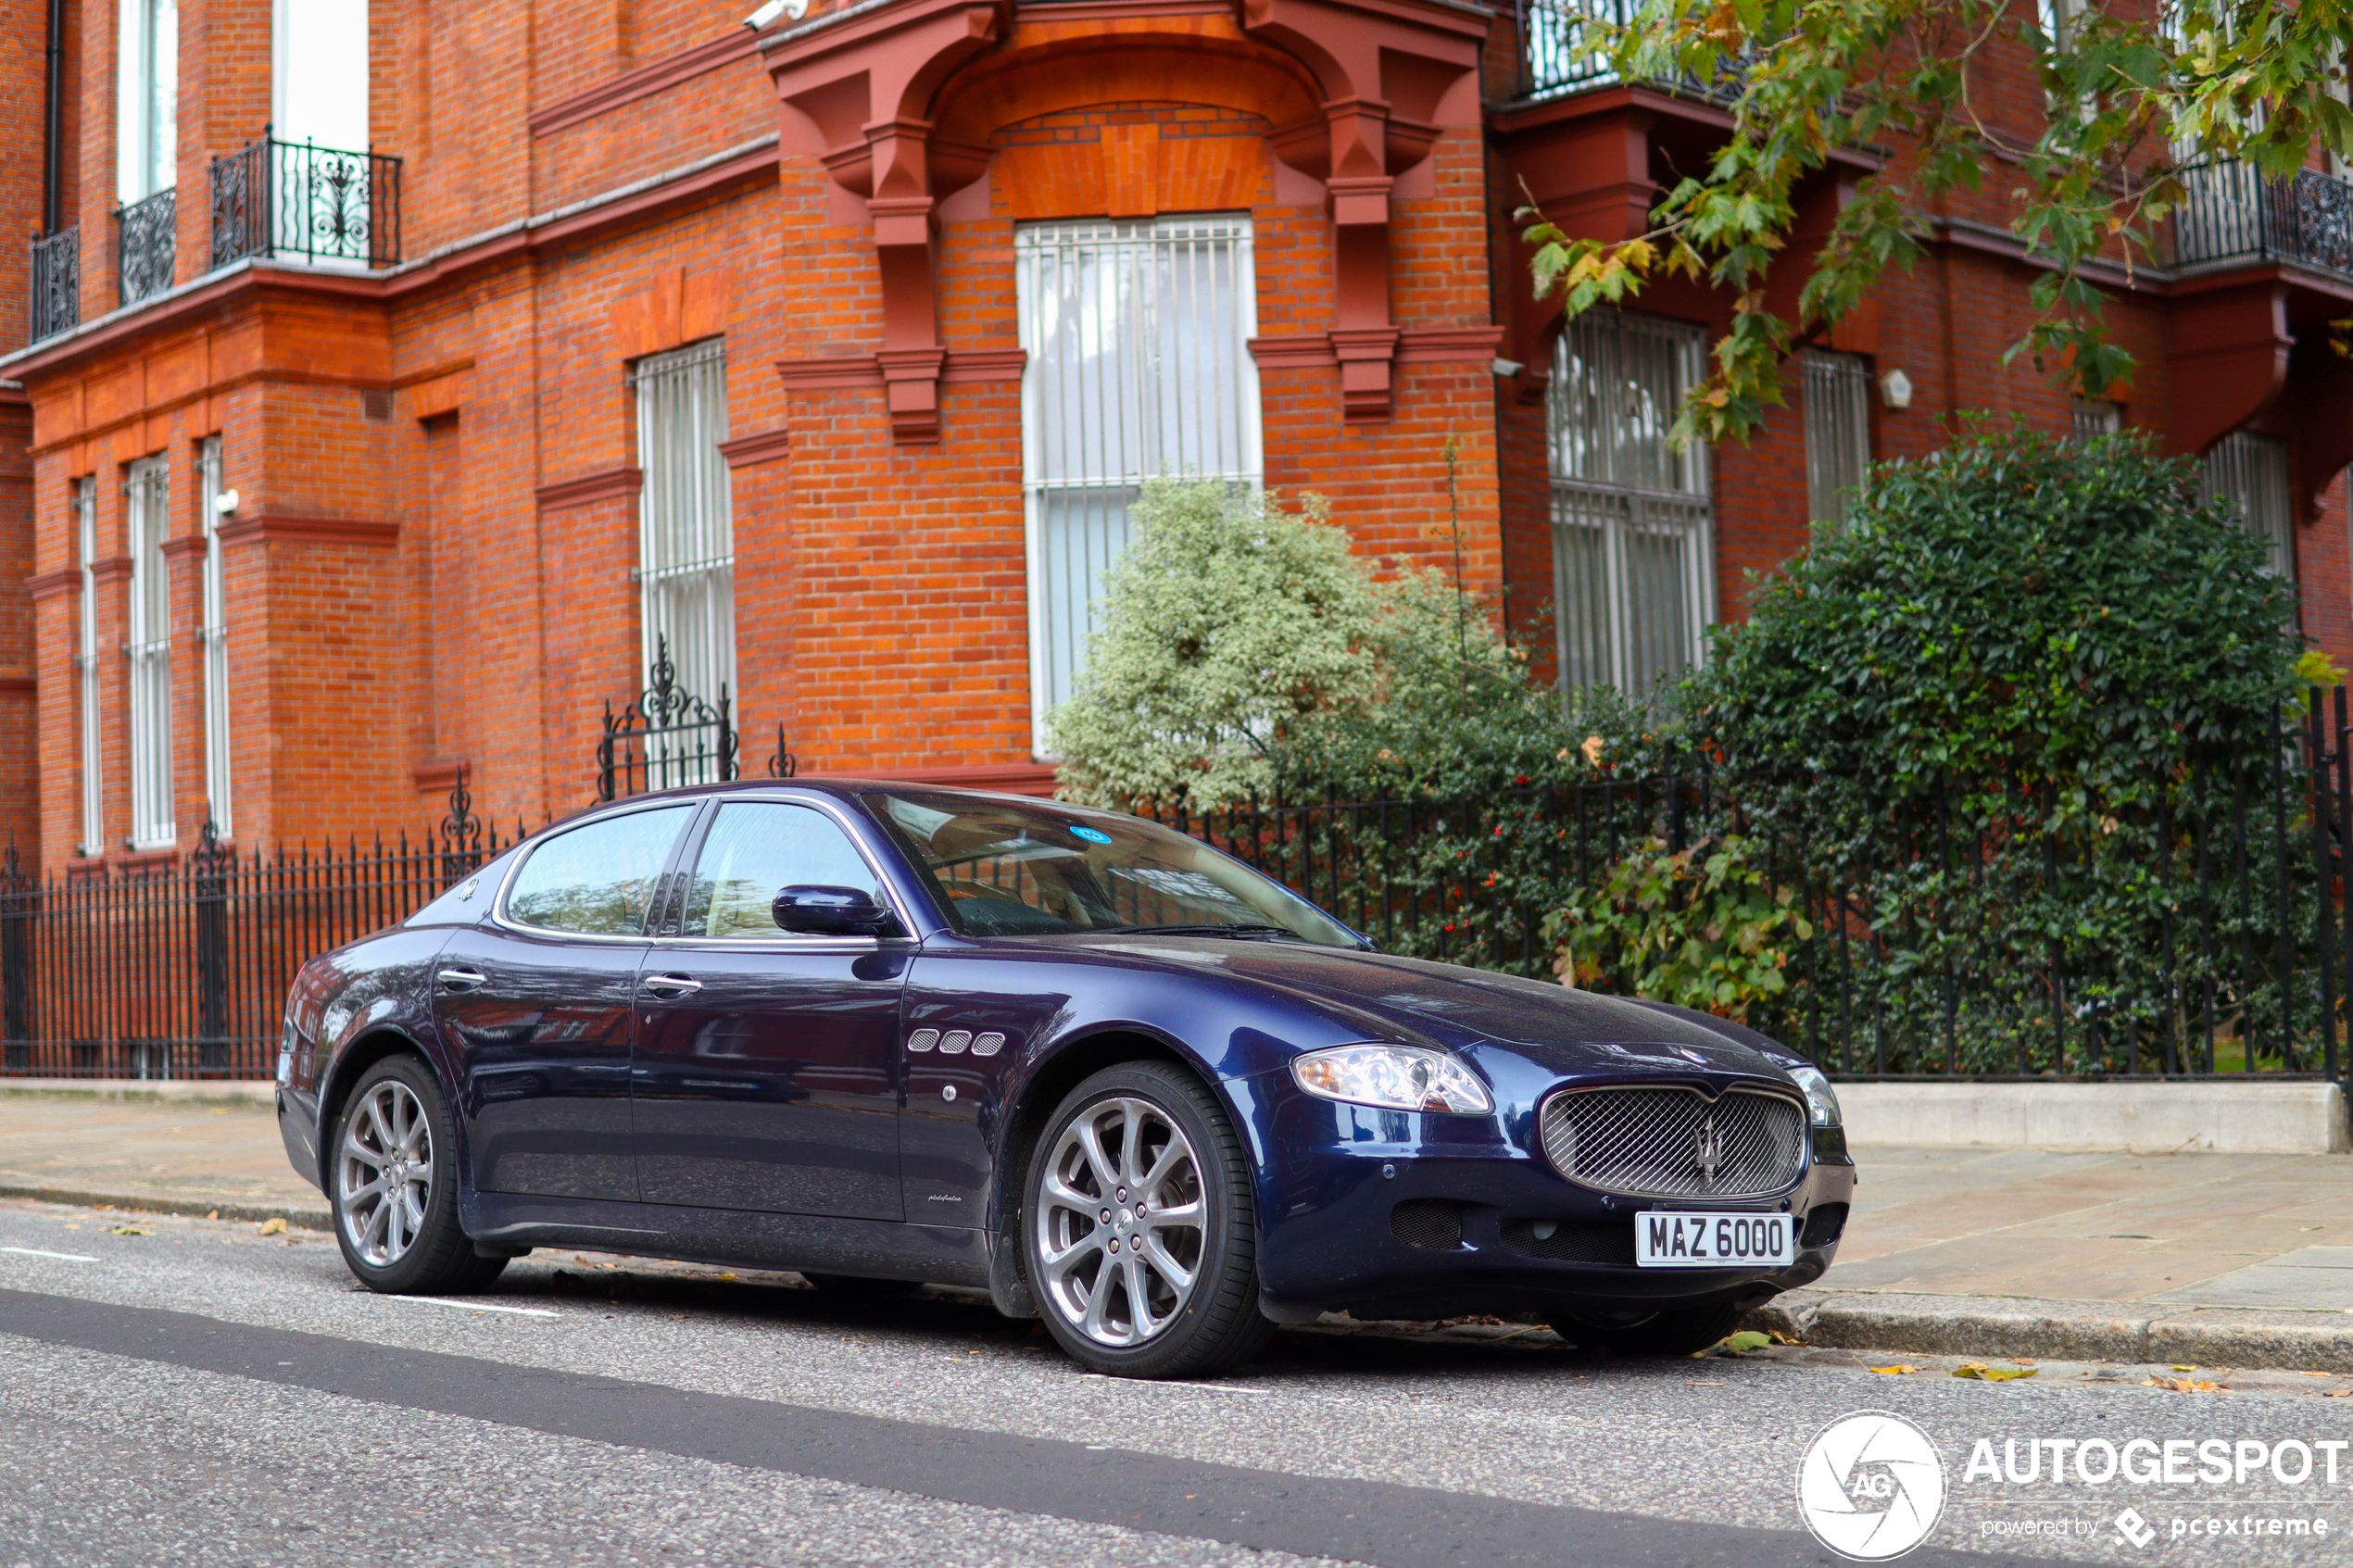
{"x":1898,"y":1370}
{"x":1716,"y":1383}
{"x":1747,"y":1340}
{"x":129,"y":1230}
{"x":2185,"y":1384}
{"x":2337,"y":1393}
{"x":2022,"y":1361}
{"x":275,"y":1225}
{"x":2179,"y":1367}
{"x":1985,"y":1373}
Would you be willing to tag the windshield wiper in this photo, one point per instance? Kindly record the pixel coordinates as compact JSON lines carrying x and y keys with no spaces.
{"x":1206,"y":928}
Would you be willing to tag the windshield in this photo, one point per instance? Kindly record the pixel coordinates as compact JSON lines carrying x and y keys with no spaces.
{"x":1016,"y":870}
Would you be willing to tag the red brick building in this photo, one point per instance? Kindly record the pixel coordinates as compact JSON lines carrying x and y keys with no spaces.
{"x":395,"y":376}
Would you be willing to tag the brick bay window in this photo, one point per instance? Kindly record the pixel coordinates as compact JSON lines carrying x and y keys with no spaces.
{"x":686,"y":540}
{"x":85,"y":669}
{"x":1137,"y":336}
{"x":213,"y":635}
{"x":2248,"y":472}
{"x":1838,"y":432}
{"x":1633,"y":549}
{"x":148,"y":503}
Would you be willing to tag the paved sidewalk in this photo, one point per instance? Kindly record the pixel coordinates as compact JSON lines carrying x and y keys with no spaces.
{"x":2237,"y":1260}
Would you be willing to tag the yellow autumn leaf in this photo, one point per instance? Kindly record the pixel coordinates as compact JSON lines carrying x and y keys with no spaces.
{"x":275,"y":1225}
{"x":1898,"y":1370}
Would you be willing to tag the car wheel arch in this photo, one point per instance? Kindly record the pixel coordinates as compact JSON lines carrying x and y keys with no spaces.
{"x":1033,"y":1104}
{"x":351,"y":1063}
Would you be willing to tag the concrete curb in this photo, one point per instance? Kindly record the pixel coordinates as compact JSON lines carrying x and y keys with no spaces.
{"x":2161,"y":1117}
{"x":300,"y":1216}
{"x":2079,"y":1331}
{"x":226,"y":1091}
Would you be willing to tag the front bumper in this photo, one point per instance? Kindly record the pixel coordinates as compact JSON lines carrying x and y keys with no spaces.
{"x":1488,"y":1227}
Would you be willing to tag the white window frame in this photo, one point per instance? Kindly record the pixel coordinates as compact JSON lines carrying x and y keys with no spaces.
{"x":2250,"y":472}
{"x":147,"y":650}
{"x":212,"y":635}
{"x":2097,"y":417}
{"x":84,"y":502}
{"x":1838,"y":430}
{"x":1633,"y":518}
{"x":686,"y":573}
{"x":1115,"y":390}
{"x":146,"y":98}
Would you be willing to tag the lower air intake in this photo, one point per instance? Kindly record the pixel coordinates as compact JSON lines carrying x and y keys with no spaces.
{"x":1427,"y":1222}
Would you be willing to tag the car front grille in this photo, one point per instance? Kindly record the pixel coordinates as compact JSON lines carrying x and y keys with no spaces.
{"x":1676,"y":1142}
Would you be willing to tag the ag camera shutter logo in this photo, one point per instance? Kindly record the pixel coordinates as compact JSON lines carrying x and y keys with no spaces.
{"x":1871,"y":1486}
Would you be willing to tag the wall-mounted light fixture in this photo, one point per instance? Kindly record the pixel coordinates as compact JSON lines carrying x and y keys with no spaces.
{"x":1505,"y":367}
{"x":1895,"y":389}
{"x":225,"y":503}
{"x":767,"y":16}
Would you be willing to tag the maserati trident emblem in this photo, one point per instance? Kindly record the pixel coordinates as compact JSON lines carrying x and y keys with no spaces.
{"x":1707,"y":1149}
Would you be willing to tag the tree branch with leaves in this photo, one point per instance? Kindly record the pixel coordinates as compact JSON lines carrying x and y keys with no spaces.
{"x":2137,"y":107}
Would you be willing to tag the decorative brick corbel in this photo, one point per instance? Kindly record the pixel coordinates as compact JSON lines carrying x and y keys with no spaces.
{"x":855,"y":87}
{"x":1383,"y":66}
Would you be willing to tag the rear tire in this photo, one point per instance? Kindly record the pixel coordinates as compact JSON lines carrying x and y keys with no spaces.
{"x":392,"y":1181}
{"x":1679,"y":1331}
{"x":1139,"y":1230}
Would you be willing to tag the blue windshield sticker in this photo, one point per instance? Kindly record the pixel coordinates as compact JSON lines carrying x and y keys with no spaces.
{"x":1090,"y":835}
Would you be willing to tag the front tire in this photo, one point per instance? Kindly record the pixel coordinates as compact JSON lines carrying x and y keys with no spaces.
{"x":1139,"y":1230}
{"x":1679,"y":1331}
{"x":393,"y":1181}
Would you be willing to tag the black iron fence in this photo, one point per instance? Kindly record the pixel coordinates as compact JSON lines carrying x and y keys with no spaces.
{"x":286,"y":199}
{"x":183,"y":972}
{"x":2234,"y":212}
{"x":1561,"y":52}
{"x":2196,"y":931}
{"x":145,"y":245}
{"x":666,"y":737}
{"x":57,"y":284}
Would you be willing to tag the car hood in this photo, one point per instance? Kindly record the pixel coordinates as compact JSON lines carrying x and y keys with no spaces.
{"x":1558,"y":1027}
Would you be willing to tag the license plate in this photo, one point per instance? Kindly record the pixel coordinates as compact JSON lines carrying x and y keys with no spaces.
{"x":1667,"y":1240}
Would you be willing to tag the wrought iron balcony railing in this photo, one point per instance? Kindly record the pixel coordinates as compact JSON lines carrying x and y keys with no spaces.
{"x":291,"y":198}
{"x":2236,"y":213}
{"x":1556,"y":58}
{"x":146,"y":245}
{"x":57,"y":284}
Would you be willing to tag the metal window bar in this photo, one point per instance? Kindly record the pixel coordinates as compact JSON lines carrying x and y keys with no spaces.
{"x":1838,"y":432}
{"x":686,"y":572}
{"x":57,"y":284}
{"x":2231,"y":212}
{"x":145,"y":236}
{"x":1633,"y":550}
{"x":324,"y":204}
{"x":212,"y":634}
{"x":147,"y":504}
{"x":2094,"y":418}
{"x":1138,"y":337}
{"x":85,"y":663}
{"x":1560,"y":54}
{"x":2248,"y":472}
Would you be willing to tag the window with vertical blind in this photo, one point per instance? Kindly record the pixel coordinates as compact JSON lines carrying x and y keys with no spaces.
{"x":84,"y":502}
{"x":2094,"y":417}
{"x":1138,"y":337}
{"x":212,"y":634}
{"x":147,"y":508}
{"x":146,"y":98}
{"x":2248,"y":472}
{"x":1634,"y":548}
{"x":1838,"y":430}
{"x":685,"y":529}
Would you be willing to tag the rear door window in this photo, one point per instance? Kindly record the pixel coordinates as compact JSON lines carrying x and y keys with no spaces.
{"x":598,"y":879}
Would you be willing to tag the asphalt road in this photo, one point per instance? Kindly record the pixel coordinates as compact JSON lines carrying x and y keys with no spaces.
{"x":203,"y":1395}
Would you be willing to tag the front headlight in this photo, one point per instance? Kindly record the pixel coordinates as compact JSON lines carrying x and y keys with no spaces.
{"x":1820,"y":1100}
{"x":1393,"y":1077}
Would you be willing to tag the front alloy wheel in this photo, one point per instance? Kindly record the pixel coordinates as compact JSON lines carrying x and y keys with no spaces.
{"x":1141,"y":1237}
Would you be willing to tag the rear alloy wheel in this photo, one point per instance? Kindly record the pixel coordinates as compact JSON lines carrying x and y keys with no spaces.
{"x":1141,"y":1239}
{"x":1679,"y":1331}
{"x":394,"y":1184}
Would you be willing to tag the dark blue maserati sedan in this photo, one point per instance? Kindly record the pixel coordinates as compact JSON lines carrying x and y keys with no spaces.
{"x":884,"y":1035}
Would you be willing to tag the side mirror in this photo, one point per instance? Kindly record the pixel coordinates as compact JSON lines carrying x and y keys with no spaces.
{"x":829,"y":912}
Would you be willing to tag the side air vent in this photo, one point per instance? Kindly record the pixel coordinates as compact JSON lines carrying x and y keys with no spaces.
{"x":1431,"y":1222}
{"x":923,"y":1039}
{"x":989,"y":1044}
{"x":954,"y":1041}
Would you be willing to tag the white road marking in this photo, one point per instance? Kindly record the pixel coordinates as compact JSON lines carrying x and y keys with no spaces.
{"x":480,"y":1307}
{"x":1188,"y":1387}
{"x":37,"y":1252}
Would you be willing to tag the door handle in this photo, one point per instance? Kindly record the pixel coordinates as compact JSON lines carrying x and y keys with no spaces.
{"x":460,"y":979}
{"x":668,"y":985}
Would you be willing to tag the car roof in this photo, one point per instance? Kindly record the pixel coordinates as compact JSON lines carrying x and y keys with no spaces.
{"x":844,"y":787}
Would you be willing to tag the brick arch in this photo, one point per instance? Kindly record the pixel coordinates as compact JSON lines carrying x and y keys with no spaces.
{"x":1058,"y":76}
{"x":1132,"y":160}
